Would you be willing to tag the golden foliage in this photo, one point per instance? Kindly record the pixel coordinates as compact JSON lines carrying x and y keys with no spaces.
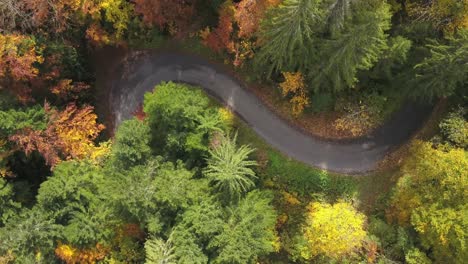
{"x":293,"y":85}
{"x":432,"y":197}
{"x":226,"y":116}
{"x":333,"y":230}
{"x":71,"y":255}
{"x":290,"y":198}
{"x":97,"y":35}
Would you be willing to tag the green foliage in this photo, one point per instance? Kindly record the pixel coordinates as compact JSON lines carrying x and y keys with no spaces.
{"x":181,"y":119}
{"x":72,"y":184}
{"x":31,"y":236}
{"x":248,"y":231}
{"x":431,"y":196}
{"x":455,"y":128}
{"x":131,"y":145}
{"x":357,"y":47}
{"x":159,"y":251}
{"x":395,"y":241}
{"x":8,"y":207}
{"x":229,"y":167}
{"x":118,"y":13}
{"x":13,"y":120}
{"x":187,"y":249}
{"x":445,"y":70}
{"x":416,"y":256}
{"x":296,"y":176}
{"x":322,"y":102}
{"x":287,"y":36}
{"x":71,"y":193}
{"x":392,"y":59}
{"x":196,"y":217}
{"x":175,"y":187}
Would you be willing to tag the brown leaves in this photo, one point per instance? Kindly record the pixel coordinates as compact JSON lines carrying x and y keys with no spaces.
{"x":57,"y":15}
{"x":249,"y":14}
{"x":236,"y":28}
{"x":66,"y":90}
{"x":166,"y":13}
{"x":69,"y":135}
{"x":220,"y":38}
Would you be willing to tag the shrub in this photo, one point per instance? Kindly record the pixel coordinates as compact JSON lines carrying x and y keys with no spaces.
{"x":455,"y":128}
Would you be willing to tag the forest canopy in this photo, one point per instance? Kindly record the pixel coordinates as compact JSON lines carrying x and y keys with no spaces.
{"x":184,"y":180}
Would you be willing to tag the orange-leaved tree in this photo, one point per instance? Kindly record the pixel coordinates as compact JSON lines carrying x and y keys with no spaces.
{"x":220,"y":38}
{"x":18,"y":60}
{"x":70,"y":134}
{"x":249,"y":14}
{"x":166,"y":14}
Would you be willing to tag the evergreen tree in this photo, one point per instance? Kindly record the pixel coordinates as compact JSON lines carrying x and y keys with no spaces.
{"x":248,"y":231}
{"x":159,"y":251}
{"x":287,"y":36}
{"x":131,"y":145}
{"x":357,"y":47}
{"x":181,"y":119}
{"x":445,"y":70}
{"x":229,"y":168}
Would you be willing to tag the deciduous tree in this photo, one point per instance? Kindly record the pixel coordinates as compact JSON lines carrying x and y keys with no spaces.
{"x":294,"y":86}
{"x":334,"y":230}
{"x":18,"y":64}
{"x":69,"y":135}
{"x":431,"y":197}
{"x":166,"y":14}
{"x":220,"y":38}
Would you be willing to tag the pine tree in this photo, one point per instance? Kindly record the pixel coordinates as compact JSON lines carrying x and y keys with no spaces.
{"x":287,"y":35}
{"x":445,"y":70}
{"x":229,"y":168}
{"x":357,"y":47}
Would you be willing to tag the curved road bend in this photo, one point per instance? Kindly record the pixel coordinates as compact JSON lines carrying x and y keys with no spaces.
{"x":130,"y":81}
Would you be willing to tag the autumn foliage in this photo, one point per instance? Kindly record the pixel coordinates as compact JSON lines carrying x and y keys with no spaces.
{"x":18,"y":60}
{"x":333,"y":230}
{"x":166,"y":14}
{"x":294,"y":87}
{"x":237,"y":25}
{"x":249,"y":14}
{"x":71,"y":255}
{"x":69,"y":135}
{"x":220,"y":38}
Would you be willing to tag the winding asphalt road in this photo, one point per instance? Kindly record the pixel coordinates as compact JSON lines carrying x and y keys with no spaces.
{"x":140,"y":72}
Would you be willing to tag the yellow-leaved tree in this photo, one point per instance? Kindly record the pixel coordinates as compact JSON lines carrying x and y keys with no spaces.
{"x":334,"y":231}
{"x":294,"y":87}
{"x":432,"y":197}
